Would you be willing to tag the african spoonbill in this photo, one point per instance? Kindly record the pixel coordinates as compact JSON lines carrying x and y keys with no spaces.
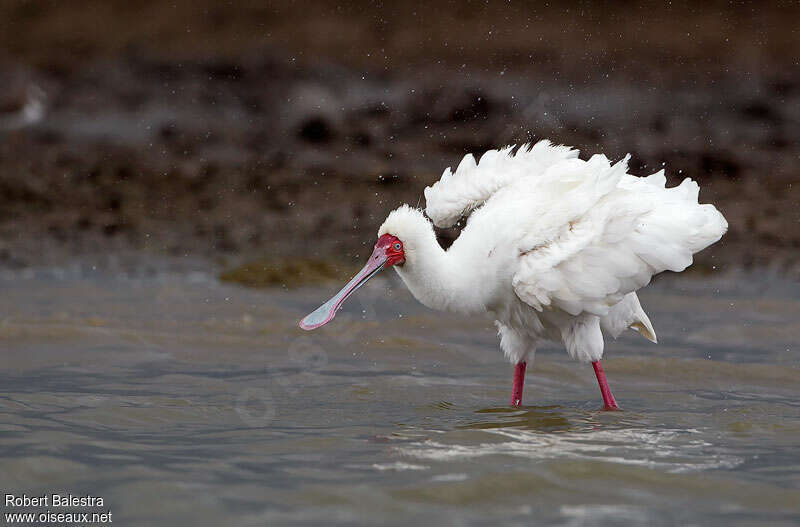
{"x":554,"y":248}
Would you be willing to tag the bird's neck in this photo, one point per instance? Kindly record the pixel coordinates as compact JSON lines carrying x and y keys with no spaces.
{"x":440,"y":279}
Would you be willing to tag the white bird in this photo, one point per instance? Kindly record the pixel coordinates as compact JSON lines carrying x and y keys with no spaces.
{"x":554,"y":248}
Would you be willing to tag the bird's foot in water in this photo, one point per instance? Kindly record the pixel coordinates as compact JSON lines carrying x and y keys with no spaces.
{"x":519,"y":383}
{"x":609,"y":403}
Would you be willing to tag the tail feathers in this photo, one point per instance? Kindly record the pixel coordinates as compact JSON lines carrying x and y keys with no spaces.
{"x":642,"y":324}
{"x":646,"y":329}
{"x":628,"y":314}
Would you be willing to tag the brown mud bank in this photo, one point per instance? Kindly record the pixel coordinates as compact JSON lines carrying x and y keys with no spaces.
{"x":270,"y":145}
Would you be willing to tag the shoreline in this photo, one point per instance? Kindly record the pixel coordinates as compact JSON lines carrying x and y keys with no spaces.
{"x":273,"y":149}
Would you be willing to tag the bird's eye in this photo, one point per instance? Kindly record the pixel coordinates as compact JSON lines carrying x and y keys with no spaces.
{"x":397,"y":246}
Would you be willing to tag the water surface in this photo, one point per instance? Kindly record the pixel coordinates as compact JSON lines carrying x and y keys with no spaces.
{"x":184,"y":401}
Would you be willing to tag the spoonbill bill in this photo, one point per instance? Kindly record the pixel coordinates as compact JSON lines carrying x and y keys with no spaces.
{"x":554,"y":248}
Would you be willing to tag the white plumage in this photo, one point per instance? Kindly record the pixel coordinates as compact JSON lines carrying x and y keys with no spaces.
{"x":555,"y":246}
{"x":554,"y":249}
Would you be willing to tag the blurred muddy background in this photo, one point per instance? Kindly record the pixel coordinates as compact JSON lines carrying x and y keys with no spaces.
{"x":223,"y":132}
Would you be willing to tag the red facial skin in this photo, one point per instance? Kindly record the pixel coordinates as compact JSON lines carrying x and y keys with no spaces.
{"x":388,"y":251}
{"x":394,"y":250}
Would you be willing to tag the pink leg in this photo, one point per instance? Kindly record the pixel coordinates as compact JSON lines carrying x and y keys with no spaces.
{"x":519,"y":382}
{"x":608,"y":398}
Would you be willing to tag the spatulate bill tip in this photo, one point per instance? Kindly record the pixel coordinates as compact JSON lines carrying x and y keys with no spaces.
{"x":308,"y":327}
{"x":316,"y":320}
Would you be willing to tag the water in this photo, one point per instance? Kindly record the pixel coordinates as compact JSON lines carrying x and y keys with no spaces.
{"x":182,"y":401}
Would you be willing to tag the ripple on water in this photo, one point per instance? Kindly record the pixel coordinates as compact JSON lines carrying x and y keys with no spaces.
{"x":671,"y":450}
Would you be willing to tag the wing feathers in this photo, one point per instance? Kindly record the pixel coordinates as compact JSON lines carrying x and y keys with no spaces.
{"x":457,"y":194}
{"x":605,"y":233}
